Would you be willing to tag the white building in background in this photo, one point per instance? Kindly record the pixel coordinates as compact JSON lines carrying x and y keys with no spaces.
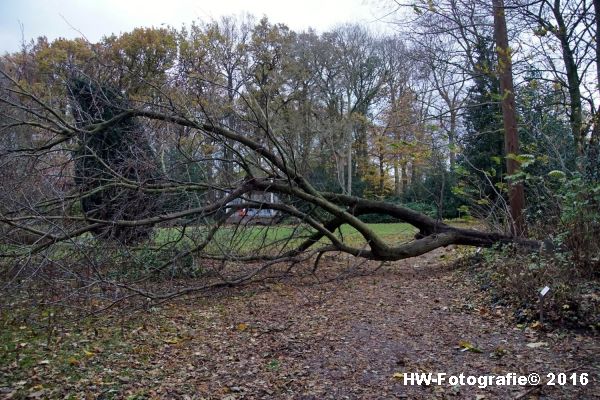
{"x":256,"y":215}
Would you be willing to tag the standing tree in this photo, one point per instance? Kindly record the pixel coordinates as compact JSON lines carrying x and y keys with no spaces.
{"x":567,"y":49}
{"x":516,"y":194}
{"x":112,"y":160}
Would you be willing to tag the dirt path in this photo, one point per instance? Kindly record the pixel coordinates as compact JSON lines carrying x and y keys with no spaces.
{"x":348,"y":339}
{"x":336,"y":340}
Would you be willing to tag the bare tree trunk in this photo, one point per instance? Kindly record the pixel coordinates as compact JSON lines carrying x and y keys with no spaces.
{"x":595,"y":139}
{"x":576,"y":110}
{"x":452,"y":138}
{"x":397,"y":187}
{"x":597,"y":21}
{"x":339,"y":168}
{"x":415,"y":173}
{"x":227,"y":145}
{"x":404,"y":176}
{"x":509,"y":116}
{"x":349,"y":179}
{"x":381,"y":175}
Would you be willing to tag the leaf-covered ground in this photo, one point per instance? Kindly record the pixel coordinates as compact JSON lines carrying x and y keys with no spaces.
{"x":323,"y":336}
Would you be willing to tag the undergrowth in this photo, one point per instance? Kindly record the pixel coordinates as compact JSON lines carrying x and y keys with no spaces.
{"x":515,"y":279}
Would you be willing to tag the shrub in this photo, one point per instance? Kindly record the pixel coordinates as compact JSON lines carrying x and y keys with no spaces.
{"x":516,"y":279}
{"x":127,"y":263}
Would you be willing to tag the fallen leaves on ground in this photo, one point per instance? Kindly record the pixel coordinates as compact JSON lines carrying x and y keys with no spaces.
{"x":299,"y":338}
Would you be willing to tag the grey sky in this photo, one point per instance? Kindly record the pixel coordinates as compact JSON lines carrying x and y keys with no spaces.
{"x":96,"y":18}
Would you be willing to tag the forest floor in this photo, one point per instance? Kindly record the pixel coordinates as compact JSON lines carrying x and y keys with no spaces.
{"x":323,"y":336}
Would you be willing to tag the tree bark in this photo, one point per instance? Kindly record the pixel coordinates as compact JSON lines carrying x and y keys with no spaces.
{"x":573,"y":80}
{"x":509,"y":116}
{"x":381,"y":176}
{"x":349,"y":170}
{"x":594,"y":152}
{"x":397,"y":187}
{"x":404,"y":175}
{"x":452,"y":138}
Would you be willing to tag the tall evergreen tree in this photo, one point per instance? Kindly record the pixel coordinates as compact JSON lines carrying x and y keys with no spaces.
{"x":483,"y":141}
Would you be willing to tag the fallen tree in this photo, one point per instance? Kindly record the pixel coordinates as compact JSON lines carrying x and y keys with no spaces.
{"x":243,"y":169}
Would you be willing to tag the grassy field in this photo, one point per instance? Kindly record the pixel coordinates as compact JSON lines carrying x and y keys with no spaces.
{"x":235,"y":241}
{"x":247,"y":239}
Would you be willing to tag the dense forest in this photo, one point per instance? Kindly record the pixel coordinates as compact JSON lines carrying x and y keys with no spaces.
{"x":406,"y":118}
{"x":168,"y":161}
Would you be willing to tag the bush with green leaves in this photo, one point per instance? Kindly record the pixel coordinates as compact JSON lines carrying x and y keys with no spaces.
{"x":579,"y":231}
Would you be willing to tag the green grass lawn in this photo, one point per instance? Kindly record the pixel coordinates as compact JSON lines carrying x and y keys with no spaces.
{"x":391,"y":233}
{"x":232,"y":240}
{"x":245,"y":240}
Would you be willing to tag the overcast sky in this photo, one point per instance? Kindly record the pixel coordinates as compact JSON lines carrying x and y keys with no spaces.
{"x":96,"y":18}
